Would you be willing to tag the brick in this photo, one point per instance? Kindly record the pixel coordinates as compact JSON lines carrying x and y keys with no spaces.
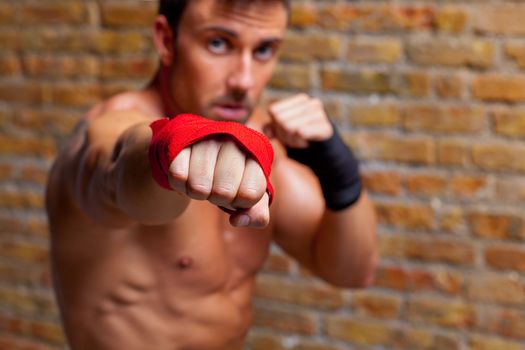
{"x":21,"y":200}
{"x":376,"y":18}
{"x":375,"y":305}
{"x":309,"y":345}
{"x":27,"y":302}
{"x":377,"y":115}
{"x":428,"y":340}
{"x":334,"y":109}
{"x":15,"y":146}
{"x":26,"y":226}
{"x":6,"y":13}
{"x":76,"y":41}
{"x":111,"y":88}
{"x":441,"y":52}
{"x":492,"y":225}
{"x":499,"y":157}
{"x":448,"y":281}
{"x":516,"y":52}
{"x":453,"y":152}
{"x":128,"y":14}
{"x":450,"y":19}
{"x":9,"y":65}
{"x":128,"y":68}
{"x":291,"y":76}
{"x":452,"y":251}
{"x":498,"y":19}
{"x":370,"y":50}
{"x":277,"y":263}
{"x":21,"y":92}
{"x":11,"y":39}
{"x":384,"y":182}
{"x":468,"y":186}
{"x":505,"y":257}
{"x":509,"y":122}
{"x":496,"y":87}
{"x":493,"y":288}
{"x":265,"y":341}
{"x":27,"y":275}
{"x":46,"y":122}
{"x":450,"y":119}
{"x":282,"y":320}
{"x":82,"y":95}
{"x":303,"y":15}
{"x":441,"y":312}
{"x":26,"y":252}
{"x":412,"y":84}
{"x":506,"y":322}
{"x":453,"y":220}
{"x":369,"y":81}
{"x":510,"y":189}
{"x":307,"y":294}
{"x":48,"y":332}
{"x":407,"y":216}
{"x":359,"y":331}
{"x":449,"y":86}
{"x":70,"y":12}
{"x":391,"y":246}
{"x":110,"y":42}
{"x":13,"y":343}
{"x":6,"y":172}
{"x":306,"y":47}
{"x":402,"y":279}
{"x":425,"y":184}
{"x":34,"y":175}
{"x":37,"y":65}
{"x":363,"y":82}
{"x":389,"y":147}
{"x":482,"y":342}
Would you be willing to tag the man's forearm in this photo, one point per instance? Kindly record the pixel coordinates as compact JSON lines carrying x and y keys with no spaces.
{"x":344,"y":248}
{"x":136,"y":191}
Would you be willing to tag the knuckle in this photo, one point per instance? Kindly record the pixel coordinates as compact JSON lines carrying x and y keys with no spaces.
{"x":251,"y":193}
{"x":199,"y":189}
{"x":225,"y":191}
{"x":178,"y":173}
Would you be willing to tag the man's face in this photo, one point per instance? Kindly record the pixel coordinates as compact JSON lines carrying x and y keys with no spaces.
{"x":224,"y":57}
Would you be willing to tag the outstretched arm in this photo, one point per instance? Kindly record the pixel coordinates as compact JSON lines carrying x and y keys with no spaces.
{"x":325,"y":220}
{"x":106,"y":170}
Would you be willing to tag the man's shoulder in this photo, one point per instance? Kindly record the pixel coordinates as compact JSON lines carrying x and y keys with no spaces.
{"x":136,"y":101}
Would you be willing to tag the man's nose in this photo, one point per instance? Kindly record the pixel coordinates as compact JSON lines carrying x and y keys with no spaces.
{"x":241,"y":77}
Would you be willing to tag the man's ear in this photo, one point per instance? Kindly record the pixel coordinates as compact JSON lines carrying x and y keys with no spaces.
{"x":164,"y":40}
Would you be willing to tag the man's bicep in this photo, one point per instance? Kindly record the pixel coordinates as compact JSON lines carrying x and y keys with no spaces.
{"x":297,"y":211}
{"x":89,"y":165}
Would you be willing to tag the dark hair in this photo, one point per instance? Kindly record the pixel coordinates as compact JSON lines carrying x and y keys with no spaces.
{"x":173,"y":9}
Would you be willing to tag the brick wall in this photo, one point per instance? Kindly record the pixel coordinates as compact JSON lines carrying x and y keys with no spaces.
{"x":431,"y":94}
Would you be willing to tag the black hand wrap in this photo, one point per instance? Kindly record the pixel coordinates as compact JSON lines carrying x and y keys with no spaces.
{"x":336,"y":168}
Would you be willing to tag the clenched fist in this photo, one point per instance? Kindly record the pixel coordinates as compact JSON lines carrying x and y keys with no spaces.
{"x":298,"y":120}
{"x":217,"y":170}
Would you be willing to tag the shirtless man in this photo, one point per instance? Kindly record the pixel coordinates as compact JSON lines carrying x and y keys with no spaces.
{"x":137,"y":266}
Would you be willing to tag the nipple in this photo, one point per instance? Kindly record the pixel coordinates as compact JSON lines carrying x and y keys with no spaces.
{"x":184,"y":262}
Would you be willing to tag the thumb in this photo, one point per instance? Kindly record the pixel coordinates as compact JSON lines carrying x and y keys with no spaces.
{"x":268,"y":130}
{"x":257,"y":216}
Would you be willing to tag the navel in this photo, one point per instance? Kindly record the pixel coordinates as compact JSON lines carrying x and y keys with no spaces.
{"x":184,"y":262}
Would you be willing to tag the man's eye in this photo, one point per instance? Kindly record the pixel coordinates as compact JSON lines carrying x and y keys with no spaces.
{"x":217,"y":45}
{"x":264,"y":53}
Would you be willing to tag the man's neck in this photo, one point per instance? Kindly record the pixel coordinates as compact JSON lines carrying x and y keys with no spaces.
{"x":161,"y":86}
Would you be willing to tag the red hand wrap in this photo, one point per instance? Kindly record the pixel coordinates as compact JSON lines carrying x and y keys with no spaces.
{"x":170,"y":136}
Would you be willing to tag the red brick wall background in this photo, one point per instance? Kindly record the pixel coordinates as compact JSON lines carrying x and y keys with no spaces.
{"x":431,"y":94}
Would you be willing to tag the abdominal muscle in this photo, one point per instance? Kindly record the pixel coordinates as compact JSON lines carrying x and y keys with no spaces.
{"x":183,"y":286}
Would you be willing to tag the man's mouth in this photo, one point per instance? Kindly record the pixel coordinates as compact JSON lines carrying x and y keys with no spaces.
{"x":230,"y":111}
